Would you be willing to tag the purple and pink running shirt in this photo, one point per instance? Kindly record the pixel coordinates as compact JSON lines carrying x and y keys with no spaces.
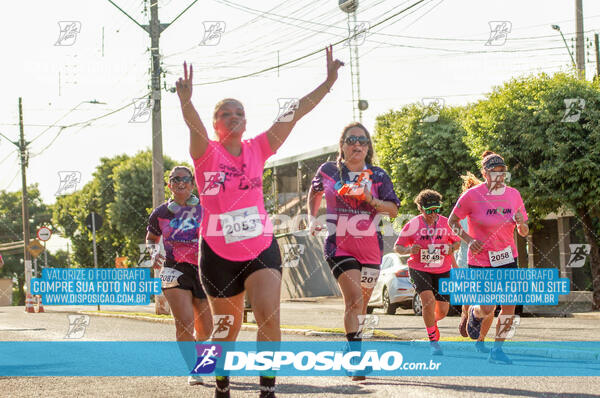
{"x":350,"y":222}
{"x":438,"y":236}
{"x":491,"y":220}
{"x":235,"y":223}
{"x":179,"y":230}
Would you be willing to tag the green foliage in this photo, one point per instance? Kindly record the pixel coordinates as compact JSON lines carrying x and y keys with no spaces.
{"x":420,"y":155}
{"x":121,"y":193}
{"x":268,"y":190}
{"x":11,"y":225}
{"x":553,"y":163}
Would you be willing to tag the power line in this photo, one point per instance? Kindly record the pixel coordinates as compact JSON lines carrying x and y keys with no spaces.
{"x":301,"y":57}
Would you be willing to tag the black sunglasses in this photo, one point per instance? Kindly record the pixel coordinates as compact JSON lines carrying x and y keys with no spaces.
{"x":181,"y":179}
{"x":353,"y":139}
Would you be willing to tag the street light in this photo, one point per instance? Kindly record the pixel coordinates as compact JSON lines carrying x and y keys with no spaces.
{"x":557,"y":28}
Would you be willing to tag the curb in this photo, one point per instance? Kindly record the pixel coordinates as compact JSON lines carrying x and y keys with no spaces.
{"x":245,"y":327}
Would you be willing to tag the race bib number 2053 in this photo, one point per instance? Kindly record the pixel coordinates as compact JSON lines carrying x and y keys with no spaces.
{"x":241,"y":224}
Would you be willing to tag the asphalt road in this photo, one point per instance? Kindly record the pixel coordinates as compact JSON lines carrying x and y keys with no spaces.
{"x":15,"y":325}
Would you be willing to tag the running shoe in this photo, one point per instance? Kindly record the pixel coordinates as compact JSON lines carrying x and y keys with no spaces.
{"x":473,"y":325}
{"x":498,"y":356}
{"x":462,"y":326}
{"x":435,"y":348}
{"x":481,"y":348}
{"x":194,"y":380}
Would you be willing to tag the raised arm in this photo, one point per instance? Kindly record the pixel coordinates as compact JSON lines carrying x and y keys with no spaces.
{"x":198,"y":135}
{"x":279,"y":132}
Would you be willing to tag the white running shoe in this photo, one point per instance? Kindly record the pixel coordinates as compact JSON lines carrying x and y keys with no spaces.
{"x":195,"y":380}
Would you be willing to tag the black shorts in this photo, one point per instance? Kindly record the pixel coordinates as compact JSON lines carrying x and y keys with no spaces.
{"x":341,"y":264}
{"x":225,"y":278}
{"x":182,"y":276}
{"x":423,"y":281}
{"x":511,"y":265}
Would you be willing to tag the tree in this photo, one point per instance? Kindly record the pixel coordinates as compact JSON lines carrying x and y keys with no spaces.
{"x":420,"y":155}
{"x":132,"y":204}
{"x":11,"y":230}
{"x":121,"y":193}
{"x":547,"y":128}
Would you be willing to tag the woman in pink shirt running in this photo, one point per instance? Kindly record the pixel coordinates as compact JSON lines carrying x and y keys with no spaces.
{"x":431,"y":244}
{"x":238,"y":251}
{"x":493,"y":210}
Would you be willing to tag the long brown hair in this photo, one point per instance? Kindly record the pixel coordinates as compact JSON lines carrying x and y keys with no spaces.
{"x":469,"y":181}
{"x":370,"y":152}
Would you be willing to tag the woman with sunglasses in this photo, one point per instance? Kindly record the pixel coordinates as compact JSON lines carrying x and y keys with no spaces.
{"x":354,"y":246}
{"x":493,"y":210}
{"x":178,"y":222}
{"x":431,"y":243}
{"x":238,"y":250}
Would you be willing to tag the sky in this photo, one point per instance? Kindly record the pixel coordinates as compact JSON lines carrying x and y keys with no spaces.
{"x":437,"y":49}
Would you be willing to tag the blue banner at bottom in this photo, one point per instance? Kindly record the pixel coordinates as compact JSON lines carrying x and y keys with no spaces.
{"x":323,"y":358}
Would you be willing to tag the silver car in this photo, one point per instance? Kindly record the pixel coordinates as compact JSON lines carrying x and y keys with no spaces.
{"x":393,"y":288}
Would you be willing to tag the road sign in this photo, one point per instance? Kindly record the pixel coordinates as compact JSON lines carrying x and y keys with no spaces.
{"x":35,"y":248}
{"x":97,"y":221}
{"x":44,"y":233}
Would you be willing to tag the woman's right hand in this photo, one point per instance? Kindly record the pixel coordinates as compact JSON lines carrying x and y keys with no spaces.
{"x":415,"y":249}
{"x":184,"y":86}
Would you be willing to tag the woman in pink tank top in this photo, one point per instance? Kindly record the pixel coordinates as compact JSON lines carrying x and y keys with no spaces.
{"x":238,"y":251}
{"x":493,"y":210}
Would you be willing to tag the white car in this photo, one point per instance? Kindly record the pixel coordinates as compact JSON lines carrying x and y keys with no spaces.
{"x":393,"y":288}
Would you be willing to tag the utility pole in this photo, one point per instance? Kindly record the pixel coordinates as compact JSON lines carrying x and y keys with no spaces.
{"x":579,"y":44}
{"x":158,"y":172}
{"x":24,"y":202}
{"x":154,"y":29}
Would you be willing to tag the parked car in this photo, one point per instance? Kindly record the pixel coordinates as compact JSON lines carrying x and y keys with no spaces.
{"x":393,"y":288}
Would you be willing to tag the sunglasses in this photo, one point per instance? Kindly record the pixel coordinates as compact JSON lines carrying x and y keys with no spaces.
{"x":185,"y":179}
{"x":353,"y":139}
{"x":432,"y":209}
